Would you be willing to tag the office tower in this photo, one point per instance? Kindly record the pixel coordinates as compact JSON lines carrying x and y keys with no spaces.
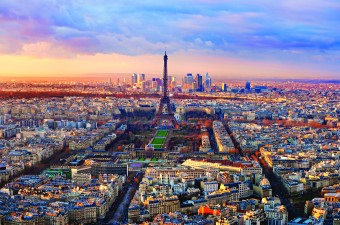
{"x":118,"y":81}
{"x":156,"y":82}
{"x":172,"y":81}
{"x":199,"y":81}
{"x":144,"y":85}
{"x":194,"y":85}
{"x":224,"y":87}
{"x":140,"y":78}
{"x":134,"y":79}
{"x":247,"y":87}
{"x":207,"y":81}
{"x":188,"y":79}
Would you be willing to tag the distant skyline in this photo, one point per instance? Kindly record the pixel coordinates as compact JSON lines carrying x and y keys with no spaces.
{"x":234,"y":38}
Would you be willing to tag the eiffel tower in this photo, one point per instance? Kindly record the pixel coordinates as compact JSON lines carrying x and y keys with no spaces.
{"x":164,"y":115}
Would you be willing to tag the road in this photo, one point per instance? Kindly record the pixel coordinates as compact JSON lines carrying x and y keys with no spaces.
{"x":233,"y":139}
{"x":119,"y":210}
{"x":212,"y":140}
{"x":278,"y":190}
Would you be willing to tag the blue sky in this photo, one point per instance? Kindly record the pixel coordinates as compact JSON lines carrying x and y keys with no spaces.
{"x":299,"y":36}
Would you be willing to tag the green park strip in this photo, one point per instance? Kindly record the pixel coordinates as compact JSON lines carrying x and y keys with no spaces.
{"x":162,"y":133}
{"x":158,"y":146}
{"x":158,"y":141}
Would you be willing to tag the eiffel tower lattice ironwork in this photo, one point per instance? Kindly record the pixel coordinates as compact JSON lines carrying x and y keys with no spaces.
{"x":164,"y":115}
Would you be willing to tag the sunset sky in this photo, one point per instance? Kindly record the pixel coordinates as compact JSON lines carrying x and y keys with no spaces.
{"x":232,"y":38}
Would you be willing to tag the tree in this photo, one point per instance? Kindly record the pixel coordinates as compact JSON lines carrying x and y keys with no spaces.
{"x":266,"y":122}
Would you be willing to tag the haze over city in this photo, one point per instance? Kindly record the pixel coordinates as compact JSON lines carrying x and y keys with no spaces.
{"x":243,"y":39}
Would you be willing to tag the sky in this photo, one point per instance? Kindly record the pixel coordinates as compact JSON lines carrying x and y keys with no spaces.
{"x":231,"y":38}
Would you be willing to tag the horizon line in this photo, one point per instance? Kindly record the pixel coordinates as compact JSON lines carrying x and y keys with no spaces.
{"x":109,"y":75}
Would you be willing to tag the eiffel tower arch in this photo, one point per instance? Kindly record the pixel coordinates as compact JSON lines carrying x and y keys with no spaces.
{"x":164,"y":115}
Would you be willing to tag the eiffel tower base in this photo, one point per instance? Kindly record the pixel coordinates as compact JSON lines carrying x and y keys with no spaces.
{"x":165,"y":119}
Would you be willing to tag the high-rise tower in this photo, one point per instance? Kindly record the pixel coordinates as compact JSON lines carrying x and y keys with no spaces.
{"x":247,"y":86}
{"x":164,"y":114}
{"x":134,"y":79}
{"x":207,"y":81}
{"x":199,"y":80}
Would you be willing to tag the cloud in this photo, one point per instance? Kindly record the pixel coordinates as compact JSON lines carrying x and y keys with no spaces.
{"x":257,"y":29}
{"x":45,"y":49}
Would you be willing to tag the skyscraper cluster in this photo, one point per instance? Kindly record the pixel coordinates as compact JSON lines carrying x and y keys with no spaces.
{"x":196,"y":83}
{"x":137,"y":78}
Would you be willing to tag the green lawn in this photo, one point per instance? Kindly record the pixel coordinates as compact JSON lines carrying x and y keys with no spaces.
{"x":157,"y":146}
{"x":158,"y":141}
{"x":162,"y":133}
